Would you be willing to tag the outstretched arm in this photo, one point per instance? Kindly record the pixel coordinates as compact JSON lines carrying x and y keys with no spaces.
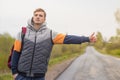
{"x":59,"y":38}
{"x":73,"y":39}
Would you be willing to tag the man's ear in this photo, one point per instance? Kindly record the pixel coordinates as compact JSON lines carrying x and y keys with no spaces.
{"x":45,"y":18}
{"x":32,"y":20}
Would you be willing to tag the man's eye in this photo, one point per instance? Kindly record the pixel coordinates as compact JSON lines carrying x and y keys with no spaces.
{"x":36,"y":15}
{"x":41,"y":15}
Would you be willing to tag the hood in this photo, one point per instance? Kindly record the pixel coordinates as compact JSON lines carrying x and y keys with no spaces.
{"x":30,"y":25}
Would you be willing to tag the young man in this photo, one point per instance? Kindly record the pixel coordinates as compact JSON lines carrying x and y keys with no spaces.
{"x":38,"y":42}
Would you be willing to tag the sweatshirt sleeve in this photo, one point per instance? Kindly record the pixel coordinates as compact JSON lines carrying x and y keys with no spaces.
{"x":59,"y":38}
{"x":72,"y":39}
{"x":16,"y":54}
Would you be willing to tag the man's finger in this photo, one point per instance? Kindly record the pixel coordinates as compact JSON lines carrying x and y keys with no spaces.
{"x":93,"y":34}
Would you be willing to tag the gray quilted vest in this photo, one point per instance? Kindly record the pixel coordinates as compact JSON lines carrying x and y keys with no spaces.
{"x":36,"y":51}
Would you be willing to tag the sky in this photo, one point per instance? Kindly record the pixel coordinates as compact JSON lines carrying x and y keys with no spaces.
{"x":76,"y":17}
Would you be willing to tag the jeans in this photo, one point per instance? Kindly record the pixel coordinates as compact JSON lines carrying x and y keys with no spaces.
{"x":20,"y":77}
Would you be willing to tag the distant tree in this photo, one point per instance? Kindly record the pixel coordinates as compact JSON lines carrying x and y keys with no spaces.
{"x":113,"y":45}
{"x":99,"y":43}
{"x":114,"y":41}
{"x":117,"y":15}
{"x":118,"y":31}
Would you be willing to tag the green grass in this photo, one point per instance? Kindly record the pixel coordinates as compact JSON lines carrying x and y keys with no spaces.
{"x":7,"y":76}
{"x":4,"y":71}
{"x":3,"y":62}
{"x":114,"y":52}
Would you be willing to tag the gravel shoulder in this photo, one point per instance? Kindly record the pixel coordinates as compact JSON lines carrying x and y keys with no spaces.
{"x":54,"y":71}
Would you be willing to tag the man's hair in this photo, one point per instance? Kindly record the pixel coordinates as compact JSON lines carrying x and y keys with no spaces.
{"x":40,"y":10}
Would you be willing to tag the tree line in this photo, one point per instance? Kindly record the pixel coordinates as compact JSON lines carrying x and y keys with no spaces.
{"x":112,"y":46}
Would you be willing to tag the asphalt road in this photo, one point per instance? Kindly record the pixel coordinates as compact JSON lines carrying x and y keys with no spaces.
{"x":93,"y":66}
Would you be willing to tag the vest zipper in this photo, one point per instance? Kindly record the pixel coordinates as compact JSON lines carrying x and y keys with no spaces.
{"x":33,"y":54}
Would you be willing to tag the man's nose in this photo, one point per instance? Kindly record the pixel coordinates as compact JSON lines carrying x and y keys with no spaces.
{"x":38,"y":17}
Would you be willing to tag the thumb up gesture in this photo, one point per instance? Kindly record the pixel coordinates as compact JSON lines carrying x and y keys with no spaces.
{"x":93,"y":38}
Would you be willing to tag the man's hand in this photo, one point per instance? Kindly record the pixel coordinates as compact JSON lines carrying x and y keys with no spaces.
{"x":14,"y":76}
{"x":93,"y":38}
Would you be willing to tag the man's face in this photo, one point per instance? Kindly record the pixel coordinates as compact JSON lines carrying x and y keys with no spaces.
{"x":39,"y":18}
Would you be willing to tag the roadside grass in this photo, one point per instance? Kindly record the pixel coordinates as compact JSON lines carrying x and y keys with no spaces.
{"x":6,"y":76}
{"x":3,"y":61}
{"x":114,"y":52}
{"x":4,"y":71}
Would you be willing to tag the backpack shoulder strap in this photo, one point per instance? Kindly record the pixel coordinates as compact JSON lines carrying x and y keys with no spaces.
{"x":24,"y":29}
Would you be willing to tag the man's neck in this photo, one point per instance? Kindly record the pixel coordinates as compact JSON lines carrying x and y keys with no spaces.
{"x":37,"y":26}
